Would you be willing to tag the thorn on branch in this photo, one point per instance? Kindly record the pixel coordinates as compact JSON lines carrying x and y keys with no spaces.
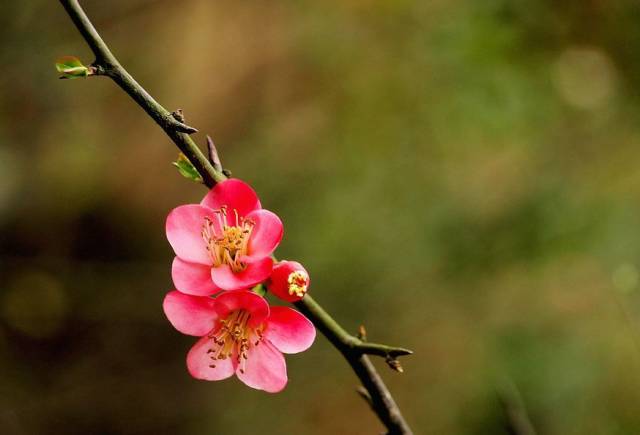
{"x":360,"y":345}
{"x":213,"y":154}
{"x":399,"y":351}
{"x":177,"y":117}
{"x":362,"y":391}
{"x":184,"y":128}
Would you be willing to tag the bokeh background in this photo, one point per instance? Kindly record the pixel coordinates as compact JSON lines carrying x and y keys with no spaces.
{"x":459,"y":176}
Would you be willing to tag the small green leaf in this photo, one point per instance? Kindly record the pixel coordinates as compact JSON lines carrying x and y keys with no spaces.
{"x":70,"y":67}
{"x":186,"y":169}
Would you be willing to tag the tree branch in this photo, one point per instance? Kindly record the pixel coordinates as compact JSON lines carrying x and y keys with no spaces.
{"x":107,"y":64}
{"x":354,"y":349}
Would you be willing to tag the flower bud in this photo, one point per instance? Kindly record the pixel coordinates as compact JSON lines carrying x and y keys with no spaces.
{"x":289,"y":281}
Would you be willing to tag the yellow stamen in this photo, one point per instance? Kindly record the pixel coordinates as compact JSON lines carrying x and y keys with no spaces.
{"x":298,"y":282}
{"x":226,"y":239}
{"x":234,"y":336}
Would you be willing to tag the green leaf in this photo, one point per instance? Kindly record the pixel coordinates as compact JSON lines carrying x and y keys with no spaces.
{"x":70,"y":67}
{"x":186,"y":169}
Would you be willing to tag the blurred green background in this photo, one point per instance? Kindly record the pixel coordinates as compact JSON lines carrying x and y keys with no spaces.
{"x":459,"y":176}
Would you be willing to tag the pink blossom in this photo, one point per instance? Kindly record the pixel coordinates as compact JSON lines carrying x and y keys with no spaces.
{"x":240,"y":334}
{"x":223,"y":243}
{"x":289,"y":281}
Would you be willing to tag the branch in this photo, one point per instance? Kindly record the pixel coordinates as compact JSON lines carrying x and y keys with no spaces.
{"x":354,"y":349}
{"x":341,"y":338}
{"x":107,"y":64}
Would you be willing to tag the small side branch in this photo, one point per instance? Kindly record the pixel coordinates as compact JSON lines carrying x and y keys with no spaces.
{"x":379,"y":349}
{"x":343,"y":339}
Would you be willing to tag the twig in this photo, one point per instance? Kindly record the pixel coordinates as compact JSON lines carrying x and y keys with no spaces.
{"x":352,"y":348}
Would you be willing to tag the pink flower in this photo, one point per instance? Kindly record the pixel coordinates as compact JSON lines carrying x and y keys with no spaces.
{"x":223,"y":243}
{"x":289,"y":281}
{"x":241,"y":335}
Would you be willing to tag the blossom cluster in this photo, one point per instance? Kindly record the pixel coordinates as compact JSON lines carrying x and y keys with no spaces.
{"x":223,"y":262}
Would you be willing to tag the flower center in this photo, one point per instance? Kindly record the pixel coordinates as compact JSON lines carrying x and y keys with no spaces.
{"x":298,"y":282}
{"x":227,"y":238}
{"x":233,"y":338}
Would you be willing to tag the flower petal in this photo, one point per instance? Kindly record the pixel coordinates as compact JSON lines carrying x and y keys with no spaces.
{"x":247,"y":300}
{"x":191,"y":315}
{"x":199,"y":362}
{"x":289,"y":331}
{"x":234,"y":194}
{"x":264,"y":368}
{"x":266,"y":233}
{"x":184,"y":232}
{"x":193,"y":278}
{"x":255,"y":272}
